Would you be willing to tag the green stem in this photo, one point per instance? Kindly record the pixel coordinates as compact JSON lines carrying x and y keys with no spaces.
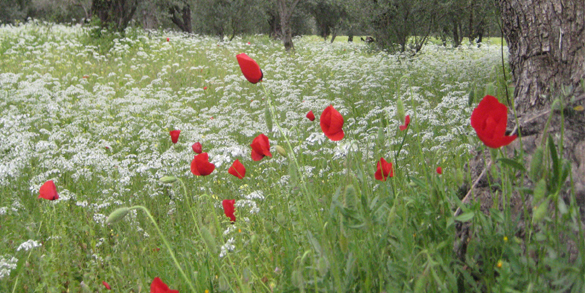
{"x":167,"y":245}
{"x":293,"y":157}
{"x":27,"y":258}
{"x":215,"y":261}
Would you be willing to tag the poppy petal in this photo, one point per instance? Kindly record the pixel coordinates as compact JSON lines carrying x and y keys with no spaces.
{"x":237,"y":169}
{"x":250,"y":68}
{"x":489,"y":120}
{"x":48,"y":191}
{"x":229,"y":208}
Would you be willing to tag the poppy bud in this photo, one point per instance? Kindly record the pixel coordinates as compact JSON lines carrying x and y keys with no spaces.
{"x":400,"y":110}
{"x":539,"y":212}
{"x":297,"y":279}
{"x":268,"y":118}
{"x":539,"y":190}
{"x":280,"y":218}
{"x":350,"y":197}
{"x":168,"y":179}
{"x":536,"y":164}
{"x":197,"y":147}
{"x":322,"y":266}
{"x":281,"y":150}
{"x":208,"y":238}
{"x":117,"y":215}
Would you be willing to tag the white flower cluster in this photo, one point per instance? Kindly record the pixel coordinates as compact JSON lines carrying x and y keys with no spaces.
{"x":111,"y":128}
{"x":227,"y":247}
{"x":7,"y":264}
{"x":28,"y":245}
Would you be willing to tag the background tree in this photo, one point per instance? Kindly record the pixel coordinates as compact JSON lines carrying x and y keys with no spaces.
{"x":285,"y":11}
{"x":13,"y":10}
{"x":114,"y":14}
{"x":465,"y":18}
{"x":329,"y":16}
{"x":230,"y":17}
{"x":398,"y":23}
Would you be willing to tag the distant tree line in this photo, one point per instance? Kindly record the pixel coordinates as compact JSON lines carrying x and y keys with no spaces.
{"x":397,"y":25}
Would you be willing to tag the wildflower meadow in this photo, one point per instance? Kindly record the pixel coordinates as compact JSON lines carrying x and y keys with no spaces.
{"x":163,"y":161}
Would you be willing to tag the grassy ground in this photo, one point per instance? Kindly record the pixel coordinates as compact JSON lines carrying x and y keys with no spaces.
{"x":95,"y":118}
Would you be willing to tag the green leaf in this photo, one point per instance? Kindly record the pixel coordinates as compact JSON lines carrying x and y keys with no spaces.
{"x":497,"y":215}
{"x":418,"y":182}
{"x":512,"y":164}
{"x":562,"y":206}
{"x":465,"y":217}
{"x":555,"y":160}
{"x":471,"y":98}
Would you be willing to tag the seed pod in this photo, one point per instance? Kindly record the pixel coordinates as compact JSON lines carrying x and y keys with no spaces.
{"x":168,"y":179}
{"x":281,"y":150}
{"x":117,"y":215}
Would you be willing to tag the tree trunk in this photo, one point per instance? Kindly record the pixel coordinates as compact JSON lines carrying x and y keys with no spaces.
{"x":285,"y":11}
{"x":545,"y":41}
{"x":333,"y":34}
{"x":183,"y":21}
{"x":115,"y":14}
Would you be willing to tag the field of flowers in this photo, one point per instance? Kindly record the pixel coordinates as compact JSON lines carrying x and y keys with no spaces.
{"x":311,"y":213}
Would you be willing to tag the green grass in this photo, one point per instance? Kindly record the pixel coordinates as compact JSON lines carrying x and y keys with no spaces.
{"x":316,"y":220}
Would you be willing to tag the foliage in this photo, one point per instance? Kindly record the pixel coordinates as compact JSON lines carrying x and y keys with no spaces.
{"x":230,"y":17}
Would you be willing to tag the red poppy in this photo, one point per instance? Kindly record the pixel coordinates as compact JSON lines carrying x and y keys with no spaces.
{"x":229,"y":209}
{"x":489,"y":120}
{"x":197,"y":147}
{"x":384,"y":170}
{"x":168,"y":39}
{"x":237,"y":169}
{"x":157,"y":286}
{"x":48,"y":191}
{"x":260,"y":147}
{"x":250,"y":68}
{"x":311,"y":116}
{"x":175,"y":135}
{"x":107,"y":285}
{"x":248,"y":43}
{"x":439,"y":170}
{"x":200,"y":166}
{"x":331,"y":123}
{"x":406,"y":122}
{"x":204,"y":88}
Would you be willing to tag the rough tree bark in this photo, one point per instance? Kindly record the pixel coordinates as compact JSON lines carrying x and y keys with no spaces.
{"x":547,"y":56}
{"x":285,"y":11}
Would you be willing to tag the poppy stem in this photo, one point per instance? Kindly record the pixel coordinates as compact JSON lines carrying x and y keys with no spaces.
{"x":400,"y":147}
{"x":196,"y":221}
{"x":27,"y":258}
{"x":166,"y":244}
